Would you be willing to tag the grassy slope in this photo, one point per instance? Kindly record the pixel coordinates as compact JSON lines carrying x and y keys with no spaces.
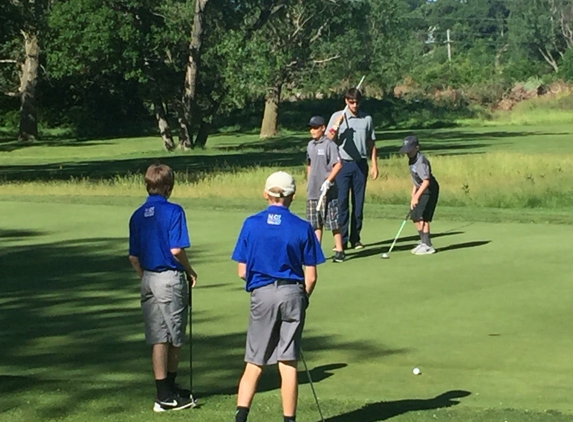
{"x":122,"y":155}
{"x":486,"y":316}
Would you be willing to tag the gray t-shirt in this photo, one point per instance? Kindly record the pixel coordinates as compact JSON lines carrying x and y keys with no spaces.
{"x":321,"y":156}
{"x":354,"y":134}
{"x":420,"y":170}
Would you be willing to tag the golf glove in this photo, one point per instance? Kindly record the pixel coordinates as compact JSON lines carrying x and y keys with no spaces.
{"x":325,"y":186}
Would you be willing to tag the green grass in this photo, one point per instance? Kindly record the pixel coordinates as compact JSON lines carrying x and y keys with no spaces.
{"x":503,"y":168}
{"x":485,"y":319}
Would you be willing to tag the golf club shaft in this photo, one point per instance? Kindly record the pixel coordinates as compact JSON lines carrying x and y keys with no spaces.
{"x":311,"y":385}
{"x":399,"y":231}
{"x":191,"y":339}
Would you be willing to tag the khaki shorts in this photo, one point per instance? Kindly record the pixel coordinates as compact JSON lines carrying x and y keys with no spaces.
{"x":165,"y":306}
{"x":276,"y":323}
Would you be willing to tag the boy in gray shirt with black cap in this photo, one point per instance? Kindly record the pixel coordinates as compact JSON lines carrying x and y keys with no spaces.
{"x":425,"y":192}
{"x":323,"y":164}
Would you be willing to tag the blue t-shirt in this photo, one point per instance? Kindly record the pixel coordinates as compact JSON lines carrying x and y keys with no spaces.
{"x":276,"y":244}
{"x":154,"y":229}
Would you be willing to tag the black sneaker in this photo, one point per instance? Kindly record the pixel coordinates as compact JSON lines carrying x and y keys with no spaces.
{"x":358,"y":245}
{"x":181,"y":392}
{"x":173,"y":403}
{"x":339,"y":257}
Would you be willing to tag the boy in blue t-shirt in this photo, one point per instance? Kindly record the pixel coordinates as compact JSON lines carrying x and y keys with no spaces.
{"x":157,"y":240}
{"x":277,"y":254}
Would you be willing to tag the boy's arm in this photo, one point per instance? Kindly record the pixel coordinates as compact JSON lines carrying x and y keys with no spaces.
{"x":310,"y":278}
{"x":371,"y":146}
{"x":416,"y":195}
{"x":134,"y":260}
{"x":333,"y":125}
{"x":242,"y":270}
{"x":308,"y":171}
{"x":334,"y":172}
{"x":181,"y":256}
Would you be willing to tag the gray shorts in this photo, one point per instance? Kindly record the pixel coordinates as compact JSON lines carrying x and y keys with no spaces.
{"x":327,"y":218}
{"x":165,"y":306}
{"x":276,"y":323}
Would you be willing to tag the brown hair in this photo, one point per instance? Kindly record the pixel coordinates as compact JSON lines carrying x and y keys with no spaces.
{"x":284,"y":200}
{"x":159,"y":180}
{"x":353,"y":94}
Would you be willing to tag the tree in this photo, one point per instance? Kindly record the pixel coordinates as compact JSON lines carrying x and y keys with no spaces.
{"x":542,"y":28}
{"x":296,"y":39}
{"x":21,"y":51}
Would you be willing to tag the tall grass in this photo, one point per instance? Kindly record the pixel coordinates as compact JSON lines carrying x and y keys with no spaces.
{"x":548,"y":110}
{"x":493,"y":180}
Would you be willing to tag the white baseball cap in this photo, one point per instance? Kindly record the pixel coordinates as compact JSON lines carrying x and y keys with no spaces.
{"x":281,"y":180}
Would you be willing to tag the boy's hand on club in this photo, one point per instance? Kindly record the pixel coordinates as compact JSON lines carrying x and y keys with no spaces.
{"x":325,"y":186}
{"x":192,"y":278}
{"x":413,"y":202}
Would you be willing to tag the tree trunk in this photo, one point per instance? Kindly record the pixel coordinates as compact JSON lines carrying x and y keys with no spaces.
{"x":203,"y":134}
{"x":164,"y":129}
{"x":549,"y":59}
{"x":269,"y":127}
{"x":184,"y":135}
{"x":191,"y":71}
{"x":28,"y":79}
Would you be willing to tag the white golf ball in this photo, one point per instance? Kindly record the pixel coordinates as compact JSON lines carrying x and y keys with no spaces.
{"x":416,"y":371}
{"x":384,"y":255}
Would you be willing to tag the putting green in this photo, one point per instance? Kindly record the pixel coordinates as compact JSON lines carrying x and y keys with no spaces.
{"x":488,"y":315}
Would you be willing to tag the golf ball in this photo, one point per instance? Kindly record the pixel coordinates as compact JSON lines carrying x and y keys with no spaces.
{"x":416,"y":371}
{"x":384,"y":255}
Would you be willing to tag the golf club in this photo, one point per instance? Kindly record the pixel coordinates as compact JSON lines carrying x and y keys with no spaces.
{"x":191,"y":343}
{"x":321,"y":205}
{"x":387,"y":254}
{"x":311,"y":385}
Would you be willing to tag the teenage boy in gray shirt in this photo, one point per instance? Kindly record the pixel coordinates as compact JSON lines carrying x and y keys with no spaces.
{"x":425,"y":193}
{"x":323,"y":164}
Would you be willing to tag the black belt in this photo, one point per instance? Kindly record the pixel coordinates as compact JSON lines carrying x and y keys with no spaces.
{"x":288,"y":282}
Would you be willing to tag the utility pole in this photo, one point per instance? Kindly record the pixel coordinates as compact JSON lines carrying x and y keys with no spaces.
{"x":449,"y":42}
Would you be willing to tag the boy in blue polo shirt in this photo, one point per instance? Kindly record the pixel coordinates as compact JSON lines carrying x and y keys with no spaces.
{"x":157,"y":240}
{"x":277,"y":254}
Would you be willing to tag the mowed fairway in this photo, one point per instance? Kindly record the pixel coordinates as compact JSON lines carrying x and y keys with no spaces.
{"x":487,"y":320}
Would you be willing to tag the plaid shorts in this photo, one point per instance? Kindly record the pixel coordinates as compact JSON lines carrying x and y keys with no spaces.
{"x":326,"y":218}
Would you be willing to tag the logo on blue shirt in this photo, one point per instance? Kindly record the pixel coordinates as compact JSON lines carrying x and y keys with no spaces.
{"x":149,"y":212}
{"x":274,"y":219}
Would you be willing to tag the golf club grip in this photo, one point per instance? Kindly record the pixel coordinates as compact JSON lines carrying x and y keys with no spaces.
{"x":320,"y":201}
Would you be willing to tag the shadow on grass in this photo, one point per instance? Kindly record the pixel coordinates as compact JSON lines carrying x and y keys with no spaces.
{"x":464,"y":245}
{"x":72,"y":332}
{"x":384,"y":410}
{"x":377,"y":248}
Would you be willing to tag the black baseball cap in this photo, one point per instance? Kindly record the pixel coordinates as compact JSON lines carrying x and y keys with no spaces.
{"x":317,"y":121}
{"x":409,"y":143}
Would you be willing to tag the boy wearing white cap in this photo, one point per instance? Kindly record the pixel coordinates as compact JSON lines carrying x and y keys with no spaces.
{"x":277,"y":254}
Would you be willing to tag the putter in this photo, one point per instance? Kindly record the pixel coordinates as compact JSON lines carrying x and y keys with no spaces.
{"x":387,"y":254}
{"x":321,"y":205}
{"x":311,"y":385}
{"x":191,"y":344}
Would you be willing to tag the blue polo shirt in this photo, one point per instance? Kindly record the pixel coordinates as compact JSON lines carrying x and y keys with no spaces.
{"x":154,"y":229}
{"x":276,"y":244}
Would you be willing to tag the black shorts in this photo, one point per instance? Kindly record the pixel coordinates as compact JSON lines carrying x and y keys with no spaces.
{"x":424,"y":211}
